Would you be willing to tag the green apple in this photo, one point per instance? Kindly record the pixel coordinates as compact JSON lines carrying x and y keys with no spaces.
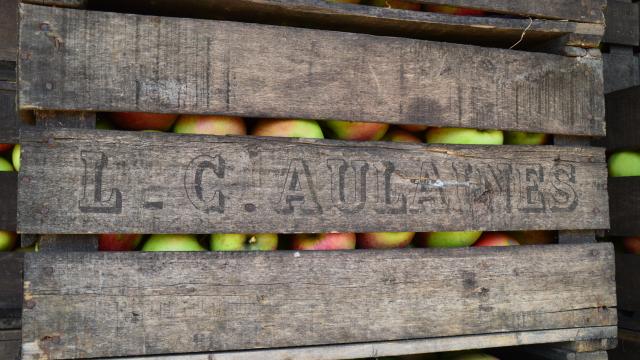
{"x":15,"y":157}
{"x":464,"y":136}
{"x":356,"y":130}
{"x":525,"y":138}
{"x":244,"y":242}
{"x":396,"y":4}
{"x":7,"y":240}
{"x":104,"y":124}
{"x":210,"y":125}
{"x":384,"y":240}
{"x":172,"y":242}
{"x":296,"y":128}
{"x":5,"y":165}
{"x":450,"y":239}
{"x":624,"y":163}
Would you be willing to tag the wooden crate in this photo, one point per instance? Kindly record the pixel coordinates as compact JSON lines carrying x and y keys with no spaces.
{"x":621,"y":65}
{"x":312,"y":305}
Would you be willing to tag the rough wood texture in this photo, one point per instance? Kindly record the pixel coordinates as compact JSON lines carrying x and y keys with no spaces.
{"x":320,"y":14}
{"x":8,"y":200}
{"x":9,"y":122}
{"x":200,"y":66}
{"x":621,"y":69}
{"x":628,"y":347}
{"x":547,"y":353}
{"x":623,"y":25}
{"x":628,"y":282}
{"x":624,"y":203}
{"x":10,"y":344}
{"x":10,"y":289}
{"x":8,"y":30}
{"x":158,"y":303}
{"x":623,"y":119}
{"x":59,"y":3}
{"x":401,"y":347}
{"x":80,"y":181}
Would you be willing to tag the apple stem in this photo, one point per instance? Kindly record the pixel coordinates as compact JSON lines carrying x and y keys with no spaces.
{"x":252,"y":240}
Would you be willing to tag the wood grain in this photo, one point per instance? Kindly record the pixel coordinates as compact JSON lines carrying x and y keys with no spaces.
{"x":624,"y":203}
{"x":10,"y":289}
{"x":9,"y":122}
{"x":320,"y":14}
{"x":87,"y":181}
{"x":158,"y":303}
{"x":151,"y":64}
{"x":401,"y":347}
{"x":628,"y":283}
{"x":8,"y":200}
{"x":10,"y":344}
{"x":623,"y":23}
{"x":8,"y":30}
{"x":621,"y":69}
{"x":623,"y":119}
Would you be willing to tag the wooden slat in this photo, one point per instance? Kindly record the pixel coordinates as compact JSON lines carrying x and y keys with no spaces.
{"x":8,"y":30}
{"x":10,"y":344}
{"x":623,"y":23}
{"x":621,"y":69}
{"x":624,"y":203}
{"x":321,"y":14}
{"x":59,"y":3}
{"x":628,"y":282}
{"x":628,"y":347}
{"x":9,"y":121}
{"x":10,"y":289}
{"x":623,"y":119}
{"x":8,"y":200}
{"x":158,"y":303}
{"x":82,"y":181}
{"x":201,"y":66}
{"x":391,"y":348}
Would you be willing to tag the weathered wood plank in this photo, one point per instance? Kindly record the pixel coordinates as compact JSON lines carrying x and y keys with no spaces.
{"x":8,"y":30}
{"x":621,"y":69}
{"x":10,"y":344}
{"x":623,"y":23}
{"x":628,"y":282}
{"x":158,"y":303}
{"x":623,"y":119}
{"x":8,"y":200}
{"x":320,"y":14}
{"x":401,"y":347}
{"x":628,"y":347}
{"x":550,"y":353}
{"x":59,"y":3}
{"x":80,"y":181}
{"x":200,"y":66}
{"x":10,"y":289}
{"x":624,"y":204}
{"x":9,"y":121}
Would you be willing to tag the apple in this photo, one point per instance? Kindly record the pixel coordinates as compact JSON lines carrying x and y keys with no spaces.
{"x":384,"y":240}
{"x":398,"y":135}
{"x":328,"y":241}
{"x":15,"y":157}
{"x":624,"y":163}
{"x":525,"y":138}
{"x":469,"y":356}
{"x":535,"y":237}
{"x":104,"y":124}
{"x":464,"y":136}
{"x":210,"y":125}
{"x":414,"y":128}
{"x":7,"y":240}
{"x":5,"y":165}
{"x":172,"y":242}
{"x":447,"y":239}
{"x":396,"y":4}
{"x":244,"y":242}
{"x":355,"y":130}
{"x":496,"y":239}
{"x":118,"y":242}
{"x":143,"y":121}
{"x":632,"y":245}
{"x":296,"y":128}
{"x":453,"y":10}
{"x":5,"y":147}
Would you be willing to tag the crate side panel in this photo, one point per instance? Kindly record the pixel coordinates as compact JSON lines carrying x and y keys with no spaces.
{"x":623,"y":119}
{"x":624,"y":200}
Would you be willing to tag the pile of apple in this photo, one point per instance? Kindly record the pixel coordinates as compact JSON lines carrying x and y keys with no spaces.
{"x":302,"y":128}
{"x":8,"y":238}
{"x":408,"y":5}
{"x":623,"y":164}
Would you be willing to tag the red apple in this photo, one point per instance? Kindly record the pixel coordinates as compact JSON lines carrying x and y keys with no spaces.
{"x":5,"y":147}
{"x":414,"y":128}
{"x":453,"y":10}
{"x":632,"y":245}
{"x":359,"y":131}
{"x":496,"y":239}
{"x":396,"y":4}
{"x":296,"y":128}
{"x":118,"y":242}
{"x":535,"y":237}
{"x":384,"y":240}
{"x":397,"y":135}
{"x":328,"y":241}
{"x":210,"y":125}
{"x":143,"y":121}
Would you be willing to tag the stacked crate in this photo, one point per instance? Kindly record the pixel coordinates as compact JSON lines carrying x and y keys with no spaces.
{"x":312,"y":305}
